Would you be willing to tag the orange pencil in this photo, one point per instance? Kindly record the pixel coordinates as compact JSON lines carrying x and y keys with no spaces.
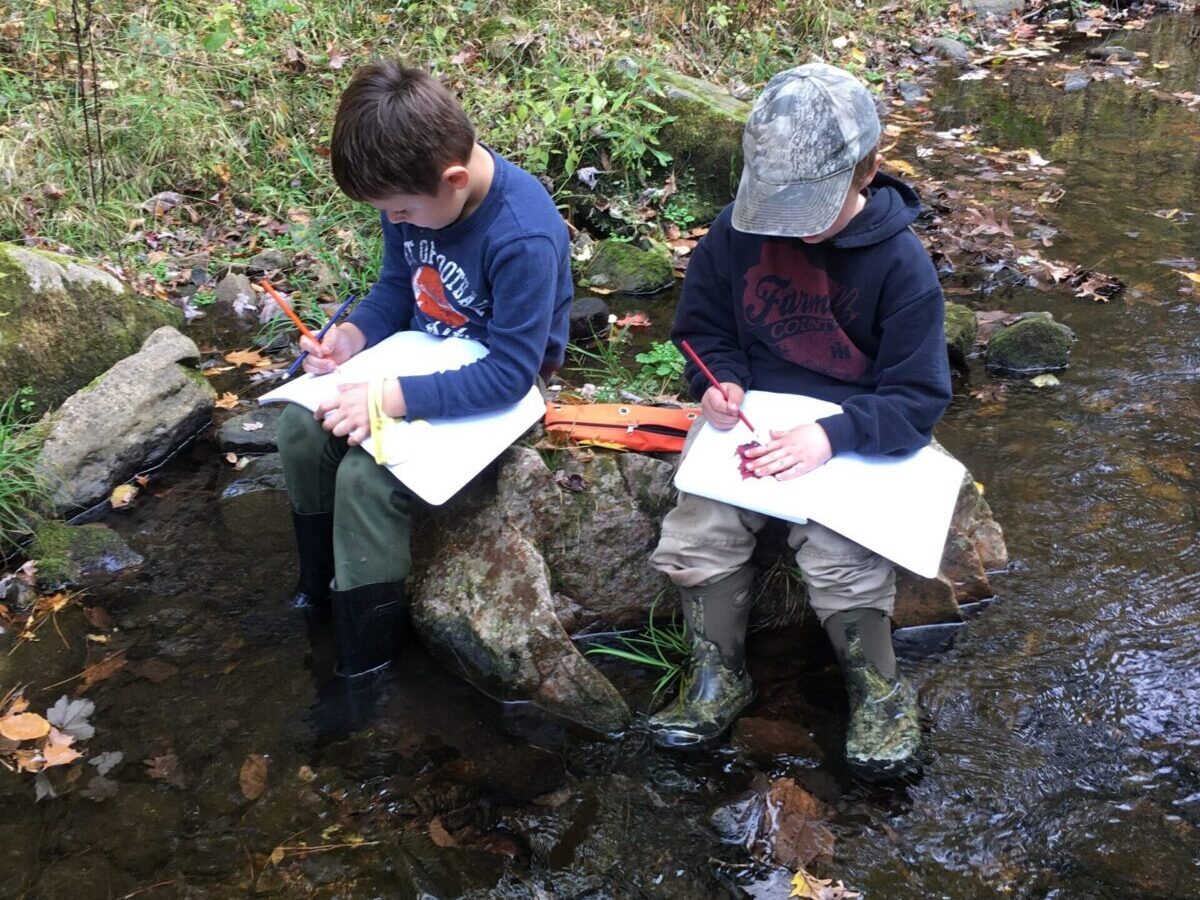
{"x":287,"y":311}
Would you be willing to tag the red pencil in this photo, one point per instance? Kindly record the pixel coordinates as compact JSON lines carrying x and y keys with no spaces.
{"x":287,"y":311}
{"x":687,"y":348}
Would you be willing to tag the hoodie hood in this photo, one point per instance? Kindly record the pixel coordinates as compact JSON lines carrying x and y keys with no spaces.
{"x":891,"y":207}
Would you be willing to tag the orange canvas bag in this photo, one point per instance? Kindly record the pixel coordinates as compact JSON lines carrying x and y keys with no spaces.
{"x":627,"y":426}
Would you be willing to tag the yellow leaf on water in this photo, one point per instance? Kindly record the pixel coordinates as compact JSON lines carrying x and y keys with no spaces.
{"x":808,"y":886}
{"x":904,"y":168}
{"x":1162,"y":65}
{"x":247,"y":358}
{"x":1193,"y":277}
{"x":24,"y":727}
{"x":122,"y":495}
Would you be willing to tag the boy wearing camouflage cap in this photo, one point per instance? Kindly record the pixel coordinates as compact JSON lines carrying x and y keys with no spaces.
{"x":810,"y":282}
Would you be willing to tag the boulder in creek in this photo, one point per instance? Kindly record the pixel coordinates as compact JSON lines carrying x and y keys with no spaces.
{"x":620,"y":266}
{"x":64,"y":321}
{"x":1034,"y":343}
{"x":127,"y":420}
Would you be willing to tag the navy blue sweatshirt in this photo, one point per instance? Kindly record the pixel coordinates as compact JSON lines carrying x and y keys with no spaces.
{"x":501,"y":276}
{"x":855,"y":320}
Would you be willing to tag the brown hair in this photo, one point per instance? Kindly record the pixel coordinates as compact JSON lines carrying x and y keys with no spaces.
{"x":397,"y":130}
{"x":862,"y":168}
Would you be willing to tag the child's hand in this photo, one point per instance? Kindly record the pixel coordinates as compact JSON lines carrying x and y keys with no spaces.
{"x":346,"y":415}
{"x":722,"y":413}
{"x":339,"y":344}
{"x":791,"y":453}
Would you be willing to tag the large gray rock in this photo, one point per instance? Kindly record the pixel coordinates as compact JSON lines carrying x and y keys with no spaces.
{"x":485,"y":609}
{"x":63,"y":322}
{"x":705,"y":138}
{"x":127,"y":420}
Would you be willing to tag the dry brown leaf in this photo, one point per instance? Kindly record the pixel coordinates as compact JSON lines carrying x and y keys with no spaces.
{"x":24,"y":726}
{"x":253,"y":777}
{"x":227,"y":400}
{"x":904,"y":168}
{"x":102,"y":670}
{"x":165,"y":768}
{"x":439,"y":835}
{"x":57,"y":751}
{"x":98,"y":618}
{"x":155,"y":670}
{"x":247,"y":358}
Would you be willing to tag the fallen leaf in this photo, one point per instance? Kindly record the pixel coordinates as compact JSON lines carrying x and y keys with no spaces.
{"x":808,"y":886}
{"x":102,"y":670}
{"x":1193,"y":277}
{"x":276,"y":856}
{"x":1035,"y":158}
{"x":798,"y":834}
{"x":252,"y":426}
{"x":100,"y":789}
{"x":155,"y":670}
{"x":253,"y":777}
{"x":1045,"y":380}
{"x":227,"y":400}
{"x":217,"y":370}
{"x":247,"y":358}
{"x":24,"y":727}
{"x":122,"y":495}
{"x":439,"y":835}
{"x":57,"y":750}
{"x":165,"y":768}
{"x":306,"y":774}
{"x":71,"y":716}
{"x":633,"y":320}
{"x":904,"y":168}
{"x":42,"y":787}
{"x":107,"y":761}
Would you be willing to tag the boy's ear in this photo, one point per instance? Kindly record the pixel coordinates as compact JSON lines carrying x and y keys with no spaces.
{"x":874,"y":170}
{"x":457,"y":177}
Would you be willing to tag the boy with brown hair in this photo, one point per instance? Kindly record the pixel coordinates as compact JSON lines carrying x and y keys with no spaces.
{"x":473,"y":247}
{"x":810,"y":282}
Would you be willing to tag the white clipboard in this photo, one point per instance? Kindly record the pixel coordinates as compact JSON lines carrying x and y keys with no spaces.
{"x":898,"y":507}
{"x":450,"y":451}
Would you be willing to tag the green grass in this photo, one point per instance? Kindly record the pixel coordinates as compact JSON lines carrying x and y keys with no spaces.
{"x":665,"y":648}
{"x":231,"y":104}
{"x":22,"y":490}
{"x":659,"y":371}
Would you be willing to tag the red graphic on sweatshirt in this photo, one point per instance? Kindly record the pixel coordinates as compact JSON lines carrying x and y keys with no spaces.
{"x":431,"y":298}
{"x":798,"y":311}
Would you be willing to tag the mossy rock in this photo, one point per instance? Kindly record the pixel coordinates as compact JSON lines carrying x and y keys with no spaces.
{"x":78,"y":555}
{"x":705,"y":138}
{"x":63,"y":322}
{"x":1035,"y":343}
{"x":619,"y":266}
{"x":961,"y":330}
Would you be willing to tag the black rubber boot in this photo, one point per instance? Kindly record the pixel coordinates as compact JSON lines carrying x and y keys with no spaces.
{"x":883,"y":736}
{"x":368,"y":623}
{"x":718,"y":688}
{"x":314,"y":546}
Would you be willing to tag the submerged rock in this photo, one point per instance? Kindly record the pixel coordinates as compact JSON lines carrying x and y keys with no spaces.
{"x":63,"y":322}
{"x":252,"y":432}
{"x":949,"y":49}
{"x":961,"y":330}
{"x":1035,"y":343}
{"x":587,"y":320}
{"x":76,"y":555}
{"x":127,"y":420}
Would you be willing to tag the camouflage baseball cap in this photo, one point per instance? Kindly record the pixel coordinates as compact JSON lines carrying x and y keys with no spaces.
{"x":809,"y":127}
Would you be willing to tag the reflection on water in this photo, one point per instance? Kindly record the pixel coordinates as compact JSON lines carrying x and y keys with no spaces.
{"x":1064,"y":724}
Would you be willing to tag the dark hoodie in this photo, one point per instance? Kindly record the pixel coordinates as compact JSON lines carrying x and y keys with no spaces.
{"x":856,"y":320}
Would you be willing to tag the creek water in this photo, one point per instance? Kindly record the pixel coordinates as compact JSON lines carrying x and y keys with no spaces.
{"x":1063,"y":724}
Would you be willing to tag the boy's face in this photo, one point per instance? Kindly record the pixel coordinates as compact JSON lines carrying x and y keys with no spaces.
{"x":424,"y":210}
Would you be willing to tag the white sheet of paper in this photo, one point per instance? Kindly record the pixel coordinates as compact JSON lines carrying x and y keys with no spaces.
{"x":443,"y":454}
{"x":900,"y":508}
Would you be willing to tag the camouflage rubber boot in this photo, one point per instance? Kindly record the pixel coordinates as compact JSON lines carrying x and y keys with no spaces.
{"x":883,"y":737}
{"x":718,"y":689}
